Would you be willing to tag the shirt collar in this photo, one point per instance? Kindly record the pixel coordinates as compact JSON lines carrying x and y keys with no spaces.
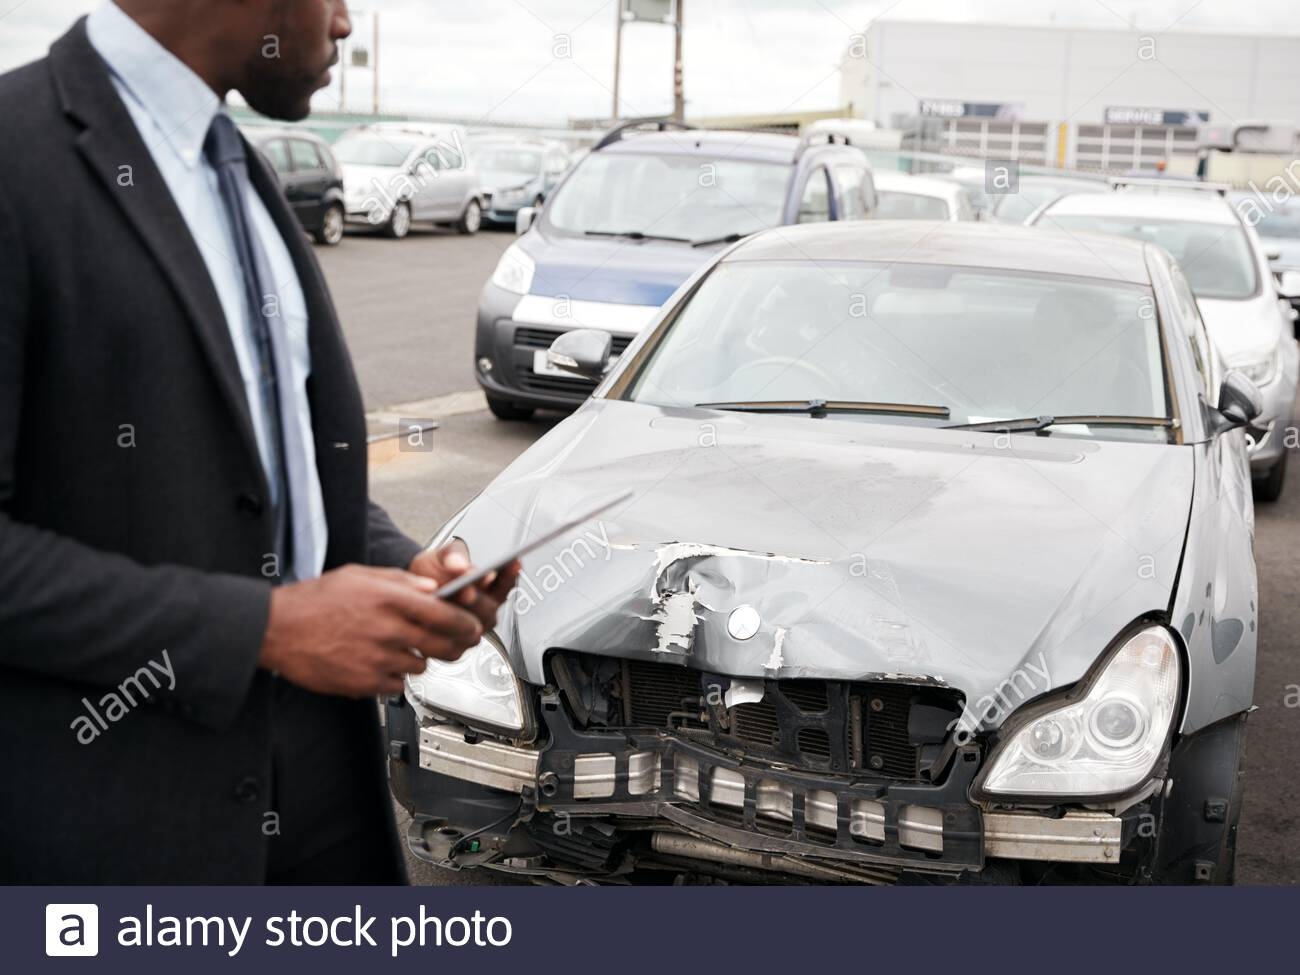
{"x":180,"y":103}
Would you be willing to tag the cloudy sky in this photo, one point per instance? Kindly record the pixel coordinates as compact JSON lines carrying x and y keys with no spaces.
{"x":550,"y":60}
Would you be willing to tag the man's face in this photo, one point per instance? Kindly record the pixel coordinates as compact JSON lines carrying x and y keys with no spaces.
{"x":296,"y":44}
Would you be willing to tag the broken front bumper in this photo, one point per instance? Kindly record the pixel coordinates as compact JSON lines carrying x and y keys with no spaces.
{"x":701,"y":803}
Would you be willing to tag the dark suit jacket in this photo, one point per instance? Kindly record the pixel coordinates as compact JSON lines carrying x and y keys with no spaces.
{"x":132,"y":519}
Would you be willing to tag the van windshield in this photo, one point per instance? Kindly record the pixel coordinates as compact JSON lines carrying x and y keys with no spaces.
{"x":661,"y":195}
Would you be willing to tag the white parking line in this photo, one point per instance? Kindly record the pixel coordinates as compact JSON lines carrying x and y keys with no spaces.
{"x":437,"y":408}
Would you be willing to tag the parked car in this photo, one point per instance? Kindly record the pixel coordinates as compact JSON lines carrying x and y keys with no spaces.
{"x":1278,"y":226}
{"x":905,"y":197}
{"x":1279,"y":231}
{"x":955,"y":586}
{"x":394,"y":174}
{"x":1222,"y":260}
{"x":517,"y":173}
{"x":309,"y":175}
{"x":973,"y":179}
{"x":630,"y":223}
{"x":1034,"y":191}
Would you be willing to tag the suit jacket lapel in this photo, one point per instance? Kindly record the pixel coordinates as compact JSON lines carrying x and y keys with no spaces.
{"x":331,"y":368}
{"x":112,"y":146}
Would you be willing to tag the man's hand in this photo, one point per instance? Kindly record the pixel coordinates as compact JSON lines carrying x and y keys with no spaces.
{"x":485,"y":597}
{"x":358,"y":631}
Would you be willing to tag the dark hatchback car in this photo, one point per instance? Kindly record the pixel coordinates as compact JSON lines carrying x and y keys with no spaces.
{"x":310,"y":177}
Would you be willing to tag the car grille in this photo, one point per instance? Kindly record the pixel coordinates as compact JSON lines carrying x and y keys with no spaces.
{"x":529,"y":338}
{"x":882,"y":728}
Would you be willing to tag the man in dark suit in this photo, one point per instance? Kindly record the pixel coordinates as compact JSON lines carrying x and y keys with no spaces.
{"x":198,"y":601}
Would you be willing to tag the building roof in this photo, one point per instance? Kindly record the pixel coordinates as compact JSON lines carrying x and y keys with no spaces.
{"x":885,"y":21}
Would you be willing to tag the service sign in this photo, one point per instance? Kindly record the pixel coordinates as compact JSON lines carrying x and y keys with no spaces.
{"x":1124,"y":115}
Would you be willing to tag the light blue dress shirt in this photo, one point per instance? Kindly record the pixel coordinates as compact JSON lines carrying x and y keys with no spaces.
{"x":173,"y":107}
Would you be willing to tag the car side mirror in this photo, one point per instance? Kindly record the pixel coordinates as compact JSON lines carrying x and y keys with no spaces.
{"x":1240,"y":403}
{"x":524,"y":218}
{"x":582,"y":352}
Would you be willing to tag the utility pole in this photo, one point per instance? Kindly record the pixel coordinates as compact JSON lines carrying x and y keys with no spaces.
{"x":618,"y":55}
{"x":343,"y":75}
{"x":374,"y":53}
{"x":679,"y":93}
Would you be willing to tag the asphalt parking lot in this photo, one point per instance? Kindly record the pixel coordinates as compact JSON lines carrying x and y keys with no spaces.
{"x":408,"y":313}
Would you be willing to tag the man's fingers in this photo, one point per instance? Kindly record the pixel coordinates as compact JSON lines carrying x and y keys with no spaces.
{"x":440,"y":615}
{"x":408,"y":636}
{"x":454,"y":556}
{"x":506,"y":580}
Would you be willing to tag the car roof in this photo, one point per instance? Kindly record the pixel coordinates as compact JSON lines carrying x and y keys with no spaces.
{"x":748,"y":146}
{"x":502,"y":139}
{"x":1002,"y":247}
{"x":1193,"y":206}
{"x":1046,"y":179}
{"x":265,"y":133}
{"x":944,"y":189}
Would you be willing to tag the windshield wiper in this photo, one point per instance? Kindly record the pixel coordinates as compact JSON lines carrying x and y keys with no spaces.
{"x":633,"y":235}
{"x":728,"y":239}
{"x":821,"y":407}
{"x":1036,"y":424}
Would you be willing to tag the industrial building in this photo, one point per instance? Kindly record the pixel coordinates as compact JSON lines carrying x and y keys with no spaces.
{"x":1084,"y":97}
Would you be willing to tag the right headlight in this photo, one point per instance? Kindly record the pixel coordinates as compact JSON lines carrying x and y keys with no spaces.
{"x":479,"y":688}
{"x":1105,"y":742}
{"x":514,"y":271}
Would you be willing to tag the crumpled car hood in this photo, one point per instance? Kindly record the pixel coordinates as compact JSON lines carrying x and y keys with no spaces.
{"x":868,"y":549}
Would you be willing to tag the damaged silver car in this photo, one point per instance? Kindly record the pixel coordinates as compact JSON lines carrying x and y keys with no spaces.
{"x":937,"y":568}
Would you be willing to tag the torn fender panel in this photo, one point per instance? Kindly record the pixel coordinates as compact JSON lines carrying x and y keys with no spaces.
{"x":868,"y":550}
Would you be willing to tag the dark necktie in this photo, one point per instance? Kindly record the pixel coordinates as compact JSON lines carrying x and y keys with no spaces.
{"x":288,"y":476}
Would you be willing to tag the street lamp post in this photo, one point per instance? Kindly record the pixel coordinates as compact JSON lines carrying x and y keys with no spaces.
{"x":618,"y":55}
{"x":679,"y":92}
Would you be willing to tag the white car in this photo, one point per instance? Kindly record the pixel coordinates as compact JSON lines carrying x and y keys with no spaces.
{"x":1228,"y":271}
{"x":394,"y":174}
{"x":904,"y":197}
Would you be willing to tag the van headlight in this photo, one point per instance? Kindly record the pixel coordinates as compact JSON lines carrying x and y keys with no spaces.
{"x":514,"y":271}
{"x":1101,"y":740}
{"x":1260,"y":370}
{"x":479,"y":688}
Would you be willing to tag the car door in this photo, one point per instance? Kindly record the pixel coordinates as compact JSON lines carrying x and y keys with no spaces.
{"x":816,"y":199}
{"x":425,"y":172}
{"x":457,"y":178}
{"x":310,"y":179}
{"x":277,"y":154}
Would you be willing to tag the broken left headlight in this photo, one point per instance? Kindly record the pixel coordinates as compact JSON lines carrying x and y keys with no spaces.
{"x":1102,"y":740}
{"x":479,"y":688}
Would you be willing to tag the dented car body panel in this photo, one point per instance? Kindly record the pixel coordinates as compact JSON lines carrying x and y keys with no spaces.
{"x":796,"y":649}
